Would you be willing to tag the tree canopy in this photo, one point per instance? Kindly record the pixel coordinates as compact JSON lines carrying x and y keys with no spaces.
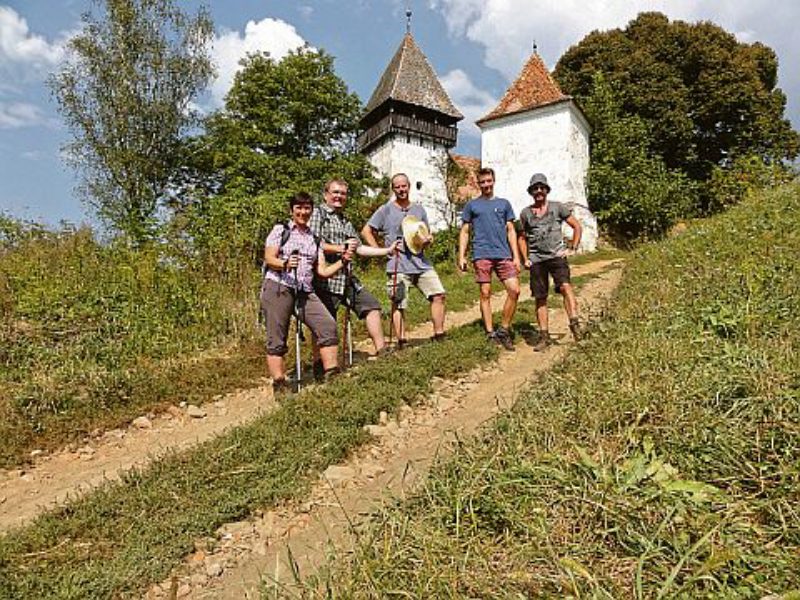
{"x":705,"y":98}
{"x":125,"y":95}
{"x":287,"y":125}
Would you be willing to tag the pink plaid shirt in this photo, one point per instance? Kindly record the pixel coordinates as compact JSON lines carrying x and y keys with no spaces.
{"x":302,"y":240}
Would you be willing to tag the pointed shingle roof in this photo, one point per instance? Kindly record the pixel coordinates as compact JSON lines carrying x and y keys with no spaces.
{"x":533,"y":88}
{"x":410,"y":78}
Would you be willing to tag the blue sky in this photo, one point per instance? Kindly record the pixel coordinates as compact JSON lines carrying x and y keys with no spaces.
{"x":476,"y":46}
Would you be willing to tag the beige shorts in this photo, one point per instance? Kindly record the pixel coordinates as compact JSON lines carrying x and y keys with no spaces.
{"x":427,"y":282}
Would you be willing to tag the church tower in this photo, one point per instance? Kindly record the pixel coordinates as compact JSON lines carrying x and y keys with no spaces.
{"x":409,"y":125}
{"x":536,"y":128}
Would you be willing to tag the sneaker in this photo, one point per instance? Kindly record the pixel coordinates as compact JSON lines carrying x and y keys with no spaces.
{"x":402,"y":344}
{"x":503,"y":337}
{"x":439,"y":337}
{"x":575,"y":328}
{"x":318,"y":370}
{"x":544,"y":342}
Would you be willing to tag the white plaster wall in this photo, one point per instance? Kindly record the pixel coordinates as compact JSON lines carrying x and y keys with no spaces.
{"x":553,"y":140}
{"x":422,"y":163}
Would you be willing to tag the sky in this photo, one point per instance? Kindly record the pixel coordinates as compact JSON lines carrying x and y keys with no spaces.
{"x":477,"y":48}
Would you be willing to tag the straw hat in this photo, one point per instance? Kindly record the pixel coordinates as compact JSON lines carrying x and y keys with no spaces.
{"x":415,"y":233}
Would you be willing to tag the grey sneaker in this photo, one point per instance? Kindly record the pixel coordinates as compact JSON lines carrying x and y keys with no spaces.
{"x":575,"y":328}
{"x":503,"y":337}
{"x":544,"y":341}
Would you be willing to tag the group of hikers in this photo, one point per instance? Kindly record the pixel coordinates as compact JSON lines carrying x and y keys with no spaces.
{"x":308,"y":267}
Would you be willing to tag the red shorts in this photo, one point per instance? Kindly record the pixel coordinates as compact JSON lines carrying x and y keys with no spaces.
{"x":504,"y":267}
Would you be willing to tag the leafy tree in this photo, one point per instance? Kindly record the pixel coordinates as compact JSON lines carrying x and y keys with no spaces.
{"x":706,"y":98}
{"x":125,"y":95}
{"x":631,"y":191}
{"x":287,"y":125}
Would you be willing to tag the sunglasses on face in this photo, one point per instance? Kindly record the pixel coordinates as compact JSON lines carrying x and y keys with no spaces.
{"x":538,"y":187}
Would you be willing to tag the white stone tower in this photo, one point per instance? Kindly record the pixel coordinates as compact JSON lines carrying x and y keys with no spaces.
{"x":536,"y":128}
{"x":408,"y":126}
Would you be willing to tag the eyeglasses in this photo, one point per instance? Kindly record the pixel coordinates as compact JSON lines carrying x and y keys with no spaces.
{"x":538,"y":187}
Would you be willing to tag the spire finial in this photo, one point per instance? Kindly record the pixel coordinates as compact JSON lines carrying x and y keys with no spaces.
{"x":535,"y":47}
{"x":408,"y":17}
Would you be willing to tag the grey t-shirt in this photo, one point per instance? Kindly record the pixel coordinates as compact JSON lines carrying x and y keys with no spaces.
{"x":543,"y":234}
{"x":387,"y":220}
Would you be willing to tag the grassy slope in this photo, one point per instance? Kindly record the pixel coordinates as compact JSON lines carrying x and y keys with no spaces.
{"x":661,"y":461}
{"x":94,"y":336}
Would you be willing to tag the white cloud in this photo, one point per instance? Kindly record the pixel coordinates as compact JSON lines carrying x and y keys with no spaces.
{"x":271,"y":35}
{"x":20,"y":114}
{"x":469,"y":99}
{"x":305,"y":10}
{"x":20,"y":47}
{"x":507,"y":28}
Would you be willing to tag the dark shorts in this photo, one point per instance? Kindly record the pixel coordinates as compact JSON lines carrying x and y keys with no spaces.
{"x":504,"y":267}
{"x":277,"y":304}
{"x":558,"y":268}
{"x":361,"y":301}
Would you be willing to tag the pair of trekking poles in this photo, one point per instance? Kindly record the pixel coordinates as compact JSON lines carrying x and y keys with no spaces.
{"x":299,"y":318}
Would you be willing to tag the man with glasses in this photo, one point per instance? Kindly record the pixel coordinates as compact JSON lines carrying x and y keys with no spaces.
{"x":338,"y":237}
{"x":542,"y":245}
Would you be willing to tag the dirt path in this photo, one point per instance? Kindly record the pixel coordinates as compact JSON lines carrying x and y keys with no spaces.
{"x":247,"y":554}
{"x":56,"y":478}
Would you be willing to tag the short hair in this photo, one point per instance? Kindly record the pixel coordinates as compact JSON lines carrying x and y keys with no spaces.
{"x":486,"y":171}
{"x":396,"y":175}
{"x":330,"y":182}
{"x":301,"y":198}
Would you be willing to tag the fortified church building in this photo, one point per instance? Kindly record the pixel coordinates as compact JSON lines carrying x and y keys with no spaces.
{"x":410,"y":126}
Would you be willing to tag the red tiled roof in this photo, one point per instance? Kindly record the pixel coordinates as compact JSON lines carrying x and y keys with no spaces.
{"x":533,"y":88}
{"x":470,"y":165}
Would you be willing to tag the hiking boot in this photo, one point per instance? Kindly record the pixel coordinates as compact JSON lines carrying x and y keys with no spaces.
{"x":439,"y":337}
{"x":503,"y":337}
{"x":402,"y":344}
{"x":318,"y":370}
{"x":280,"y":389}
{"x":544,"y":342}
{"x":330,"y":374}
{"x":575,"y":328}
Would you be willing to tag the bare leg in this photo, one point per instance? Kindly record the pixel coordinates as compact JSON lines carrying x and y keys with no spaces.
{"x":570,"y":301}
{"x":437,"y":313}
{"x":510,"y":305}
{"x":486,"y":306}
{"x":399,"y":322}
{"x":330,"y":357}
{"x":375,"y":329}
{"x":276,"y":366}
{"x":542,"y":317}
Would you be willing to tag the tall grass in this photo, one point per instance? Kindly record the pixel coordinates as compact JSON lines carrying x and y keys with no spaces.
{"x":661,"y":461}
{"x":94,"y":333}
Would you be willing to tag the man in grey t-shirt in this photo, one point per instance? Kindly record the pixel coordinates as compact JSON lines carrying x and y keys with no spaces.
{"x":412,"y":269}
{"x":542,"y":245}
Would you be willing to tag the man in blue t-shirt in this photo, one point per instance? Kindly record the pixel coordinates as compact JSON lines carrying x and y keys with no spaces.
{"x":494,"y":248}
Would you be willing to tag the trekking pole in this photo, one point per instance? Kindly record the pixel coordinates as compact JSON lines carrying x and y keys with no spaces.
{"x":394,"y":291}
{"x":348,"y":301}
{"x":298,"y":334}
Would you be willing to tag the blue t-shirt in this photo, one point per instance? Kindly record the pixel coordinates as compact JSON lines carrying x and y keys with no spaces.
{"x":387,"y":220}
{"x":488,"y":219}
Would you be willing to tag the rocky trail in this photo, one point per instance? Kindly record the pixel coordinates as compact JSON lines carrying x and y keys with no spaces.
{"x":245,"y":552}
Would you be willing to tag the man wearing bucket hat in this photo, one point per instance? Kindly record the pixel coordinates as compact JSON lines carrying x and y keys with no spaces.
{"x":494,"y":248}
{"x":542,"y":245}
{"x":401,"y":219}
